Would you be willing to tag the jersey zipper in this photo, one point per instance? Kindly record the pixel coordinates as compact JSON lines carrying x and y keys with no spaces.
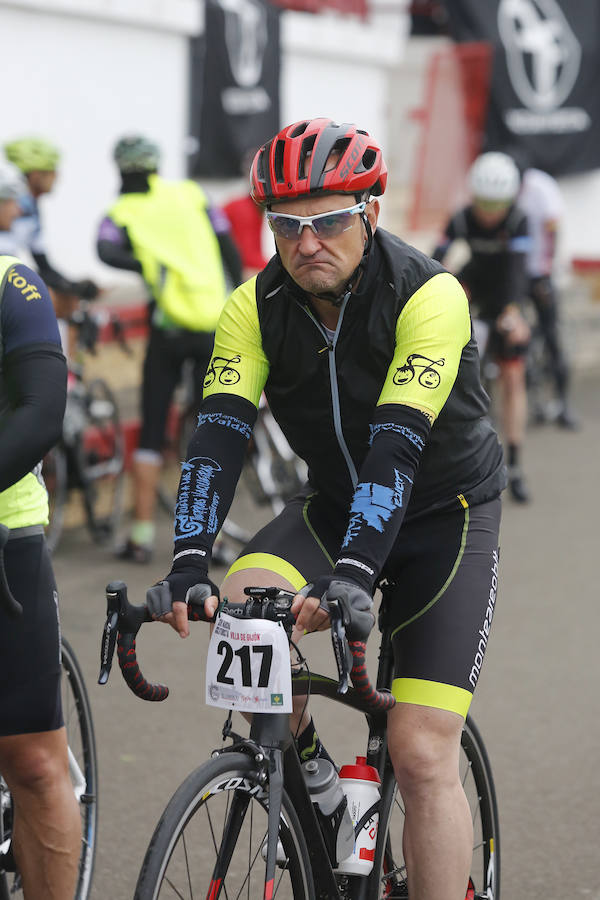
{"x":335,"y":394}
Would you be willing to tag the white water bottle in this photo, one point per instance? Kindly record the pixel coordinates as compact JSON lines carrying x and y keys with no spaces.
{"x":361,"y":785}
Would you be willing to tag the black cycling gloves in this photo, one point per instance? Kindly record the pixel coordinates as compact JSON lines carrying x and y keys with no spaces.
{"x":182,"y":584}
{"x":353,"y":602}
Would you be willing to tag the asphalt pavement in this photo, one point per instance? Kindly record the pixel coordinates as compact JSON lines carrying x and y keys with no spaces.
{"x":536,"y":703}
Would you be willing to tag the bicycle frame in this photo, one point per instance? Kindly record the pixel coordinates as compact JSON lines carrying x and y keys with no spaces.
{"x":273,"y":749}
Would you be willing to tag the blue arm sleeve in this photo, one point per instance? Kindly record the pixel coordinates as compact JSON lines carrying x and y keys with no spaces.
{"x":398,"y":436}
{"x":210,"y":474}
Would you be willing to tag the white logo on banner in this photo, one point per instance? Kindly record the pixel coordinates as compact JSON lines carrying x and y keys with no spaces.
{"x":543,"y":57}
{"x":246,"y":40}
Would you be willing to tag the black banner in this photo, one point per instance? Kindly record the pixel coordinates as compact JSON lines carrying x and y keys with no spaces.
{"x":544,"y":96}
{"x":235,"y":85}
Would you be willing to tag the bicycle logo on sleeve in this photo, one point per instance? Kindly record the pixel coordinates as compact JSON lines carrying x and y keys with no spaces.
{"x":429,"y":377}
{"x":221,"y":368}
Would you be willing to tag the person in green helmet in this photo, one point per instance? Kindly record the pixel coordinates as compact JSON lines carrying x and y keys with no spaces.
{"x":38,"y":160}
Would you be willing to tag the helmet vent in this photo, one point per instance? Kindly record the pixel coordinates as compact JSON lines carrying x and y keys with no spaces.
{"x":368,"y":160}
{"x":278,"y":161}
{"x":337,"y":151}
{"x":307,"y":147}
{"x":299,"y":129}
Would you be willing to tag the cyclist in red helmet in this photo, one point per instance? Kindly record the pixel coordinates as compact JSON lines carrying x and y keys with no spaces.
{"x":363,"y":347}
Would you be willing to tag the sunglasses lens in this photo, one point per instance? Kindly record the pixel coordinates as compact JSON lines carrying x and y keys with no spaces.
{"x":283,"y":226}
{"x":333,"y":225}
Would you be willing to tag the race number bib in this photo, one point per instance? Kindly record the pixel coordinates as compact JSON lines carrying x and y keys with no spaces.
{"x":248,"y":666}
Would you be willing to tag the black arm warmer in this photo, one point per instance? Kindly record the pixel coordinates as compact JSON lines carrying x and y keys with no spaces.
{"x":516,"y":287}
{"x":117,"y":256}
{"x":36,"y":379}
{"x":232,"y":261}
{"x":399,"y":434}
{"x":52,"y":278}
{"x":210,"y":475}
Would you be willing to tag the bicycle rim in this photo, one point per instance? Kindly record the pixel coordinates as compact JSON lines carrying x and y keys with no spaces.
{"x":83,"y":769}
{"x":82,"y":762}
{"x":223,"y":805}
{"x":102,"y":461}
{"x":476,"y":778}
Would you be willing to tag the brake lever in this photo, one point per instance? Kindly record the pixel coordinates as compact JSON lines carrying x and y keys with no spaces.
{"x":341,"y":651}
{"x":122,"y":617}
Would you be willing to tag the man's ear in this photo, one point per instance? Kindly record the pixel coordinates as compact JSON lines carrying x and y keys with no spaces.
{"x":372,"y":213}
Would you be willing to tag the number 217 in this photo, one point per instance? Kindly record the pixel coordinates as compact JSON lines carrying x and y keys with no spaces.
{"x":243,"y":654}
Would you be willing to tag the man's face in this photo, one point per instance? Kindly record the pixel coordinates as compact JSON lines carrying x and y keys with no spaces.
{"x":490,"y":213}
{"x":9,"y":211}
{"x":41,"y":182}
{"x":323,"y":264}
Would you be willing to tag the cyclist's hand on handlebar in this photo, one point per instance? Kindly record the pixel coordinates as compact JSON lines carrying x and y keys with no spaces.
{"x":354,"y":603}
{"x":86,"y":289}
{"x":167,"y":601}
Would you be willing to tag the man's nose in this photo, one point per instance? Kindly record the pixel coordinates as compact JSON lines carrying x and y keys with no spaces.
{"x":308,"y":241}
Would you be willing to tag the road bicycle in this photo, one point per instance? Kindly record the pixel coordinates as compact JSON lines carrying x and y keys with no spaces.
{"x":90,"y":456}
{"x":83,"y":766}
{"x":243,"y":824}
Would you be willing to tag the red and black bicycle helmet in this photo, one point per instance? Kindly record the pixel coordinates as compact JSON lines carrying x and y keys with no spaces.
{"x":295,"y":163}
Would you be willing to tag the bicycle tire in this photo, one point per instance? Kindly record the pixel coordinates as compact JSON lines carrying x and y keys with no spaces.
{"x":176,"y":865}
{"x":84,"y":771}
{"x":55,"y":475}
{"x":77,"y":715}
{"x":100,"y":458}
{"x":476,"y":776}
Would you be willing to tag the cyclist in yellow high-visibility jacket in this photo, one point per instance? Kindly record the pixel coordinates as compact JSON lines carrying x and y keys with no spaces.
{"x":166,"y":231}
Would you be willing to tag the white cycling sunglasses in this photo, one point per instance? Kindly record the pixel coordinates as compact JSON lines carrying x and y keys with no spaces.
{"x":325,"y":225}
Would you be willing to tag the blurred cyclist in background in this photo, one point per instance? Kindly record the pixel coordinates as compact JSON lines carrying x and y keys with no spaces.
{"x":540,"y":199}
{"x":11,"y":188}
{"x":249,"y":228}
{"x":166,"y":231}
{"x":38,"y":160}
{"x":496,"y":232}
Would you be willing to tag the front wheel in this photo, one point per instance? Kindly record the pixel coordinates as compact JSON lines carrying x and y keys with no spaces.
{"x":210,"y":839}
{"x":478,"y":784}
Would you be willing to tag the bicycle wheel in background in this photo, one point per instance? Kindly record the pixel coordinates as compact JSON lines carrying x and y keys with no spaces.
{"x":84,"y":775}
{"x":101,"y":461}
{"x":476,"y":777}
{"x":55,"y":475}
{"x":83,"y":764}
{"x":222,"y":806}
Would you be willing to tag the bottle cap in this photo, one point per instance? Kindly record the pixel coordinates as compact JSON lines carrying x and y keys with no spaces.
{"x":360,"y":771}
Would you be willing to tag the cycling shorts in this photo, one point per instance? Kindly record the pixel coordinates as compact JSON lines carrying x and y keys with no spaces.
{"x":443,"y":579}
{"x":165,"y":355}
{"x":30,"y":668}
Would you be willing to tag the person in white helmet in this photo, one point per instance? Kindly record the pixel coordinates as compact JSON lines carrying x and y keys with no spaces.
{"x":496,"y":232}
{"x":11,"y":188}
{"x":540,"y":199}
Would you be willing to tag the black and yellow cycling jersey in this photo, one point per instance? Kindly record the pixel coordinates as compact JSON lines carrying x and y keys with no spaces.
{"x":404,"y":338}
{"x":388,"y":412}
{"x":32,"y":392}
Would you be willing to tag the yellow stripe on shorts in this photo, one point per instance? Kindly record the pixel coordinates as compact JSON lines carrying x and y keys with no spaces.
{"x":432,"y":693}
{"x":271,"y":562}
